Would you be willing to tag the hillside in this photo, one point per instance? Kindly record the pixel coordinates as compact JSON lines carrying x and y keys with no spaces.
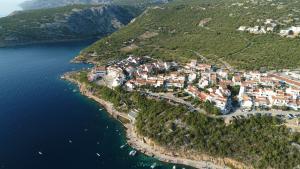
{"x":38,"y":4}
{"x":63,"y":24}
{"x":260,"y":141}
{"x":187,"y":29}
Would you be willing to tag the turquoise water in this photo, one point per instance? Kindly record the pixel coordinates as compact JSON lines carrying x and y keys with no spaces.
{"x":39,"y":112}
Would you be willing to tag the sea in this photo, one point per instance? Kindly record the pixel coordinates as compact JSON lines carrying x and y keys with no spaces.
{"x":45,"y":123}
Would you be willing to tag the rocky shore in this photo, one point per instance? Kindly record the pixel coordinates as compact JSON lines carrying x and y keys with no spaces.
{"x":150,"y":148}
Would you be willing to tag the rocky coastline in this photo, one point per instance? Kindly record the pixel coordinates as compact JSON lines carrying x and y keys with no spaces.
{"x":150,"y":148}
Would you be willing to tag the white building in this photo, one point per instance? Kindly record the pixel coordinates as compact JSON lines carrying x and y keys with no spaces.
{"x":192,"y":77}
{"x":96,"y":73}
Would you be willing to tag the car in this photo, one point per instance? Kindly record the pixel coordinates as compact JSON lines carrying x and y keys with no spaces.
{"x":290,"y":116}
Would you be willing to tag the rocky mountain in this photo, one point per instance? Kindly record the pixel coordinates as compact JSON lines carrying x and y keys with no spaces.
{"x":39,"y":4}
{"x":68,"y":23}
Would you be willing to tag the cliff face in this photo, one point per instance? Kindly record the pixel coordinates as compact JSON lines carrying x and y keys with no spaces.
{"x":63,"y":24}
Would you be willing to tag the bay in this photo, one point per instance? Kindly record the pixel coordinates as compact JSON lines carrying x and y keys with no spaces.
{"x":45,"y":123}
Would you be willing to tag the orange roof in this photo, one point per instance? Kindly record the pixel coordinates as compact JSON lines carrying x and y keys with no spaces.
{"x":100,"y":68}
{"x":202,"y":96}
{"x":287,"y":80}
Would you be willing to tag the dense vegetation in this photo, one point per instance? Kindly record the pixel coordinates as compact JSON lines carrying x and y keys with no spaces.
{"x":39,"y":4}
{"x":260,"y":141}
{"x":64,"y":23}
{"x":176,"y":33}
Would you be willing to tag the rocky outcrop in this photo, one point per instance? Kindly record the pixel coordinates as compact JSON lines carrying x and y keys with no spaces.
{"x":76,"y":23}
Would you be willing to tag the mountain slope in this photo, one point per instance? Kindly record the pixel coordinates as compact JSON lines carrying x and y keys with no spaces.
{"x":39,"y":4}
{"x":181,"y":28}
{"x":62,"y":24}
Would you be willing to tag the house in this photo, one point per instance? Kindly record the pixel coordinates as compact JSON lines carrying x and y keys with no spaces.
{"x":170,"y":65}
{"x":223,"y":91}
{"x":160,"y":83}
{"x":246,"y":103}
{"x":192,"y":90}
{"x":294,"y":104}
{"x":130,"y":71}
{"x":269,"y":21}
{"x":223,"y":74}
{"x":266,"y":81}
{"x":291,"y":32}
{"x":213,"y":78}
{"x":192,"y":77}
{"x":295,"y":92}
{"x":257,"y":30}
{"x":242,"y":28}
{"x":142,"y":74}
{"x":285,"y":79}
{"x":96,"y":73}
{"x":159,"y":66}
{"x":203,"y":67}
{"x":237,"y":80}
{"x":167,"y":65}
{"x":222,"y":103}
{"x":114,"y":71}
{"x":204,"y":96}
{"x":175,"y":83}
{"x":279,"y":101}
{"x":203,"y":82}
{"x":262,"y":102}
{"x":118,"y":81}
{"x":193,"y":64}
{"x":270,"y":29}
{"x":130,"y":85}
{"x":148,"y":68}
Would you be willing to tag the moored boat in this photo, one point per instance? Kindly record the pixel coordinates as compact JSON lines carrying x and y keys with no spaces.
{"x":132,"y":153}
{"x":153,"y":165}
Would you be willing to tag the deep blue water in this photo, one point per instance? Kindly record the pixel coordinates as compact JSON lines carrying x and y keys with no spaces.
{"x":39,"y":112}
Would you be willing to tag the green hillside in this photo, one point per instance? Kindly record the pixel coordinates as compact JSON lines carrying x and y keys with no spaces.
{"x":40,"y":4}
{"x":209,"y":27}
{"x":73,"y":22}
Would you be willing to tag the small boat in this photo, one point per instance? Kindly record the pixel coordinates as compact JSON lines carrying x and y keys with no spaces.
{"x":174,"y":167}
{"x":62,"y":77}
{"x":40,"y":153}
{"x":74,"y":90}
{"x":100,"y":109}
{"x":132,"y":153}
{"x":122,"y":146}
{"x":70,"y":141}
{"x":153,"y":165}
{"x":98,"y":154}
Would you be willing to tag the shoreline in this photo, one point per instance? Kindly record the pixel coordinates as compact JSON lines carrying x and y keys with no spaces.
{"x":149,"y":148}
{"x":44,"y":42}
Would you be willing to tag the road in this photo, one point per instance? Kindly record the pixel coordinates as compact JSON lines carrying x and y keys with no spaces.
{"x":226,"y":64}
{"x":171,"y":97}
{"x":270,"y":112}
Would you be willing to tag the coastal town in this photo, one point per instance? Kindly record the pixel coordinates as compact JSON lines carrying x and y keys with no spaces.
{"x":228,"y":91}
